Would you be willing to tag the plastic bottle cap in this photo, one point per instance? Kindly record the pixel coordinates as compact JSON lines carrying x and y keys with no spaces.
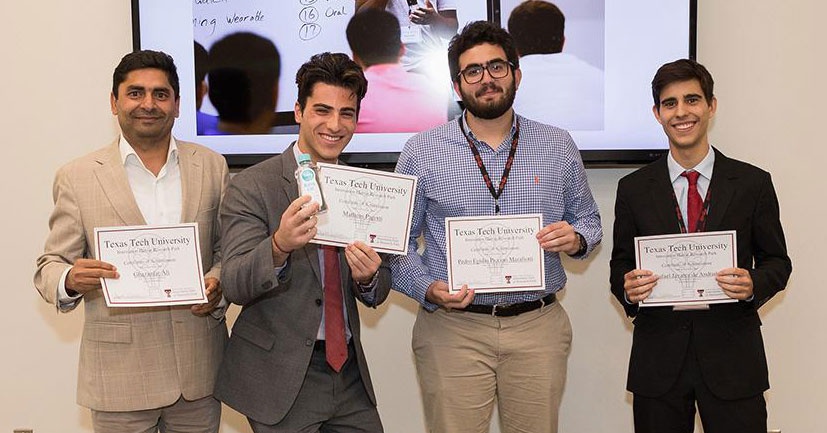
{"x":304,"y":157}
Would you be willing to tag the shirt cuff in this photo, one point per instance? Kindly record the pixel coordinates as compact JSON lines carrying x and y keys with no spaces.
{"x":220,"y":309}
{"x":64,"y":301}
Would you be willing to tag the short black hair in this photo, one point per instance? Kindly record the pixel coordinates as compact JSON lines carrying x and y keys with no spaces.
{"x":682,"y":70}
{"x":201,"y":62}
{"x":477,"y":33}
{"x":374,"y":36}
{"x":335,"y":69}
{"x":142,"y":60}
{"x":244,"y":73}
{"x":538,"y":27}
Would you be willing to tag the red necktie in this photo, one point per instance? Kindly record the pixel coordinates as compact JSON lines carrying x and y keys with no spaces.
{"x":694,"y":203}
{"x":334,"y":319}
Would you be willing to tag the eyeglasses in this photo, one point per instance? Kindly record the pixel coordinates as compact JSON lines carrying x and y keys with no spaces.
{"x":496,"y":69}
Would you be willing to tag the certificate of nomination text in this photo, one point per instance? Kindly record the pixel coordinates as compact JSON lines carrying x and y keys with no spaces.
{"x":371,"y":206}
{"x":686,"y":265}
{"x":495,"y":253}
{"x":157,"y":265}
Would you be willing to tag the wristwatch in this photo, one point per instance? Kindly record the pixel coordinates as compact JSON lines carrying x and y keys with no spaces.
{"x":583,"y":245}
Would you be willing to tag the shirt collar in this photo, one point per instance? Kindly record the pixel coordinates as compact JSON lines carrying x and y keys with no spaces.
{"x":704,"y":168}
{"x":297,"y":152}
{"x":126,"y":150}
{"x":473,"y":138}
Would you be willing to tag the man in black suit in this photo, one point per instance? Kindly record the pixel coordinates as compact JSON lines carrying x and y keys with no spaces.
{"x":295,"y":362}
{"x":713,"y":355}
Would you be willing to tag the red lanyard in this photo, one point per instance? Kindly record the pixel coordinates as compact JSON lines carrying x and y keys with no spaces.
{"x":494,"y":193}
{"x":701,"y":218}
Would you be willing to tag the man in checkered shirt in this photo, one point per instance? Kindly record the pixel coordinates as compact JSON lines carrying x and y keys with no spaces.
{"x":507,"y":347}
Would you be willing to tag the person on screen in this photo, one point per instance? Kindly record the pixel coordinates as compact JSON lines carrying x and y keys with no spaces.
{"x":373,"y":36}
{"x":558,"y":88}
{"x":295,"y":360}
{"x":709,"y":355}
{"x":203,"y":121}
{"x":474,"y":349}
{"x":244,"y":79}
{"x":424,"y":24}
{"x":148,"y":368}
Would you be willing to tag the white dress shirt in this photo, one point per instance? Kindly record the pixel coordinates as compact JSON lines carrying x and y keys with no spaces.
{"x":681,"y":184}
{"x":159,"y":198}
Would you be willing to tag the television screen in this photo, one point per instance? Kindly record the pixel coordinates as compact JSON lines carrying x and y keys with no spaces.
{"x":586,"y":67}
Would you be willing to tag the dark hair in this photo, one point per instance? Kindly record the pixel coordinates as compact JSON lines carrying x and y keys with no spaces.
{"x":142,"y":60}
{"x":476,"y":33}
{"x":244,"y":73}
{"x":201,"y":62}
{"x":682,"y":70}
{"x":335,"y":69}
{"x":374,"y":36}
{"x":538,"y":27}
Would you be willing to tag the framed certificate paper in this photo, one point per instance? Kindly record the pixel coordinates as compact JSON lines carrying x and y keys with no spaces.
{"x":371,"y":206}
{"x":158,"y":265}
{"x":495,"y":253}
{"x":687,"y":265}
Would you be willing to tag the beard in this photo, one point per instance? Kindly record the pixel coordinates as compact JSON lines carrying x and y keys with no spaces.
{"x":490,"y":110}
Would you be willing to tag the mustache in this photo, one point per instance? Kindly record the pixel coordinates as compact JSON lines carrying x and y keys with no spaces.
{"x":487,"y":87}
{"x":141,"y":112}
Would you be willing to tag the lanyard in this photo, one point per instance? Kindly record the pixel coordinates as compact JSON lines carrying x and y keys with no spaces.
{"x":494,"y":193}
{"x":701,"y":223}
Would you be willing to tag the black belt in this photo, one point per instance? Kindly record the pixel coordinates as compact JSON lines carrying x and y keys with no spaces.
{"x":511,"y":309}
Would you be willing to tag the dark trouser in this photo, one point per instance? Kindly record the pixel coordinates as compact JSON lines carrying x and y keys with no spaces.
{"x":328,"y":402}
{"x":674,"y":412}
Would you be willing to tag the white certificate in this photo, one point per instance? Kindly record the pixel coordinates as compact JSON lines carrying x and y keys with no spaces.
{"x":371,"y":206}
{"x":157,"y":265}
{"x":495,"y":253}
{"x":687,"y":265}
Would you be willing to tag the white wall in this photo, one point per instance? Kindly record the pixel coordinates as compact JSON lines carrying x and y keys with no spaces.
{"x":767,"y":60}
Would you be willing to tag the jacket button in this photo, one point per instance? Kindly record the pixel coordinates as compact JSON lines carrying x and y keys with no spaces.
{"x":266,"y":285}
{"x":318,"y":302}
{"x":308,"y":342}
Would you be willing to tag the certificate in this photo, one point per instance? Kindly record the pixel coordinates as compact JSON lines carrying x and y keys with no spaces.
{"x":371,"y":206}
{"x":687,"y":265}
{"x":495,"y":253}
{"x":158,"y":265}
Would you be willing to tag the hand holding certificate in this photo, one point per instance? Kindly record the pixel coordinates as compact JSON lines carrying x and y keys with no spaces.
{"x":365,"y":205}
{"x":157,"y":265}
{"x":686,"y":266}
{"x":495,"y":253}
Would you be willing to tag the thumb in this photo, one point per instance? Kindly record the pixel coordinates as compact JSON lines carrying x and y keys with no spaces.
{"x":428,"y":4}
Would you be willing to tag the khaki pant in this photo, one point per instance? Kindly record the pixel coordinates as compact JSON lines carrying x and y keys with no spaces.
{"x":468,"y":361}
{"x":198,"y":416}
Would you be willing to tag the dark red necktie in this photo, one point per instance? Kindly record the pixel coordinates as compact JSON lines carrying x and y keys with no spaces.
{"x":334,"y":319}
{"x":694,"y":203}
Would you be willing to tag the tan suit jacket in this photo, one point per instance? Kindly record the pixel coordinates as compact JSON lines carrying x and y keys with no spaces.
{"x":135,"y":358}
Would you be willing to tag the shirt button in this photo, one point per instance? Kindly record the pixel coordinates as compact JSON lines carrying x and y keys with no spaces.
{"x":318,"y":302}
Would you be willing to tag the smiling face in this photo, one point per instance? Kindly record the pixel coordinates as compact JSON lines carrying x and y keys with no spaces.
{"x":684,"y":113}
{"x":146,"y":106}
{"x":491,"y":97}
{"x":327,"y":122}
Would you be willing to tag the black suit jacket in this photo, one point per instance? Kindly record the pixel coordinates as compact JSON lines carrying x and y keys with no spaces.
{"x":272,"y":339}
{"x":727,"y":337}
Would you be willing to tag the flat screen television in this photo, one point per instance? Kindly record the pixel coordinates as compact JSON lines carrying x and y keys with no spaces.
{"x":597,"y":87}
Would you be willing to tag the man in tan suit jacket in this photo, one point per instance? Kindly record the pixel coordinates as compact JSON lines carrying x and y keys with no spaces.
{"x":144,"y":368}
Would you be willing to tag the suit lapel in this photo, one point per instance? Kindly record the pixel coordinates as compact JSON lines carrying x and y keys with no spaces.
{"x":291,"y":189}
{"x":662,"y":197}
{"x":721,"y":190}
{"x":111,"y":176}
{"x":191,"y":181}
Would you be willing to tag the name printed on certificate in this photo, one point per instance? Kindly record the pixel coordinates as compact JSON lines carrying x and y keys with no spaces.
{"x":157,"y":265}
{"x":495,"y":253}
{"x":371,"y":206}
{"x":687,"y":265}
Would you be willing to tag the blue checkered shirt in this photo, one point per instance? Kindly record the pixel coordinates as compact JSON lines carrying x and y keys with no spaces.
{"x":547,"y":177}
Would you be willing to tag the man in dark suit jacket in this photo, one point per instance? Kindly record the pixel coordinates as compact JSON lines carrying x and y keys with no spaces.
{"x":713,"y":355}
{"x":288,"y":366}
